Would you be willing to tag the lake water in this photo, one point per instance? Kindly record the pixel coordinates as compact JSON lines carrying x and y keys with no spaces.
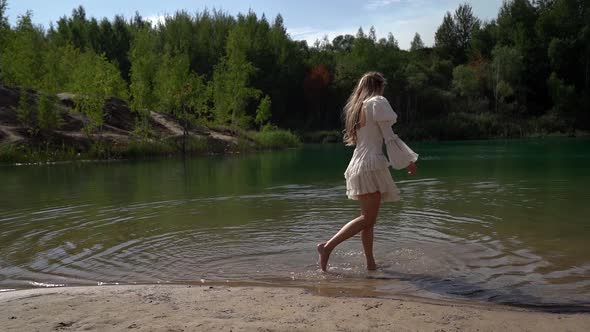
{"x":502,"y":221}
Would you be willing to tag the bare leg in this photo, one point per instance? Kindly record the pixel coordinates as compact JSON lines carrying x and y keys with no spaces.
{"x":347,"y":231}
{"x":369,"y":207}
{"x":367,"y":237}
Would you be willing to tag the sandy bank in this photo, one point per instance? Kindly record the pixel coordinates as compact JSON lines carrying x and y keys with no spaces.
{"x":213,"y":308}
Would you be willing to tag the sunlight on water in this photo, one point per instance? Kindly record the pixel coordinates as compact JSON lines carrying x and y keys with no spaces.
{"x":500,"y":221}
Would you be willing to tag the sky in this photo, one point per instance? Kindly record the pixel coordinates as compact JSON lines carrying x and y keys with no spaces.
{"x":304,"y":19}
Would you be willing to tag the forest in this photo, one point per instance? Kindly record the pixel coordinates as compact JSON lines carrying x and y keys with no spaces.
{"x":525,"y":73}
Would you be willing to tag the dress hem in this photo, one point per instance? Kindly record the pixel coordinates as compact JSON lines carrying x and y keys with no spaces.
{"x":385,"y":197}
{"x":371,"y":182}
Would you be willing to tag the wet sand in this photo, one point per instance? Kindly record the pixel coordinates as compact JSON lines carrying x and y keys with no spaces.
{"x":222,"y":308}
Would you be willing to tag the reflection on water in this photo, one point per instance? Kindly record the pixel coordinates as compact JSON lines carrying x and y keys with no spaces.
{"x":501,"y":221}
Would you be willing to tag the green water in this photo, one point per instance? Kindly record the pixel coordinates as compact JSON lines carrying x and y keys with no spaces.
{"x":505,"y":221}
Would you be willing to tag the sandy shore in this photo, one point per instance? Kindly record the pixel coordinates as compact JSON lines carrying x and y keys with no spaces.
{"x":221,"y":308}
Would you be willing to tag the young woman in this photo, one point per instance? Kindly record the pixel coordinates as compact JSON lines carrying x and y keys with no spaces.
{"x":368,"y":120}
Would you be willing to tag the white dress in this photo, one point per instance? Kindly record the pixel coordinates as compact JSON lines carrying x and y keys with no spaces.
{"x":368,"y":170}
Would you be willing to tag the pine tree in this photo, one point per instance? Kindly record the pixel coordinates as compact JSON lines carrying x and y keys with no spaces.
{"x":417,"y":43}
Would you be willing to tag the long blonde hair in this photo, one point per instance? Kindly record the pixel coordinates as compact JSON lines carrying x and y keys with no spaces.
{"x":370,"y":85}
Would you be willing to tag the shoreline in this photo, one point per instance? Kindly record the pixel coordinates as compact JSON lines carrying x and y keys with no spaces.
{"x":230,"y":152}
{"x":254,"y":308}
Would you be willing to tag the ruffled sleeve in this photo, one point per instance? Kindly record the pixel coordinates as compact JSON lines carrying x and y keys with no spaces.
{"x":399,"y":154}
{"x":382,"y":111}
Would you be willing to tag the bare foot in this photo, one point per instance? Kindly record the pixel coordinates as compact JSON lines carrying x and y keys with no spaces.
{"x":324,"y":255}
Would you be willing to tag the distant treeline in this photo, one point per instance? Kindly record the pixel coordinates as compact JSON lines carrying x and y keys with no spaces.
{"x":526,"y":72}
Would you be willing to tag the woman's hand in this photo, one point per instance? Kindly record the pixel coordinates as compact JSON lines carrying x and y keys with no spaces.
{"x":412,"y":169}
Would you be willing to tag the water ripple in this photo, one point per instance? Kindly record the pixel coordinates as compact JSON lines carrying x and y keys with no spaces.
{"x":480,"y":237}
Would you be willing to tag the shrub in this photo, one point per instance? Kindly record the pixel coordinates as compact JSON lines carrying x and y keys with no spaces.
{"x":324,"y":136}
{"x":276,"y":138}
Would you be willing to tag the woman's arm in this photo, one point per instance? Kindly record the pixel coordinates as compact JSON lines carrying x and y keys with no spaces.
{"x":399,"y":154}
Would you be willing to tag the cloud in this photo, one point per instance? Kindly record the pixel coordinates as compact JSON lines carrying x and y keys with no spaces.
{"x":403,"y":29}
{"x":403,"y":18}
{"x":311,"y":34}
{"x":375,"y":4}
{"x":156,"y":19}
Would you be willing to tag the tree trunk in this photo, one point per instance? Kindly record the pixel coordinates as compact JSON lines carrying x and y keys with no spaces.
{"x":587,"y":73}
{"x":416,"y":106}
{"x":409,"y":105}
{"x":184,"y":131}
{"x":496,"y":88}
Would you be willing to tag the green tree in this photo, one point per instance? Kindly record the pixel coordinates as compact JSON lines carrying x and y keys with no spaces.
{"x":4,"y":26}
{"x":516,"y":27}
{"x":121,"y":44}
{"x":506,"y":71}
{"x":144,"y":59}
{"x":22,"y":56}
{"x":454,"y":35}
{"x":516,"y":24}
{"x":263,"y":112}
{"x":57,"y":67}
{"x":466,"y":84}
{"x":48,"y":117}
{"x":21,"y":61}
{"x":534,"y":57}
{"x":93,"y":31}
{"x":465,"y":24}
{"x":417,"y":78}
{"x":78,"y":26}
{"x":25,"y":111}
{"x":231,"y":91}
{"x":94,"y":80}
{"x":564,"y":99}
{"x":392,"y":42}
{"x":343,"y":43}
{"x":231,"y":84}
{"x":372,"y":34}
{"x":179,"y":91}
{"x":105,"y":39}
{"x":483,"y":40}
{"x":170,"y":82}
{"x":445,"y":38}
{"x":3,"y":18}
{"x":360,"y":33}
{"x":417,"y":43}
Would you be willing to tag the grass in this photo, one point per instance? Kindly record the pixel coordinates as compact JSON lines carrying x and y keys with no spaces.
{"x":16,"y":153}
{"x":455,"y":126}
{"x":138,"y":148}
{"x":106,"y":150}
{"x":145,"y":148}
{"x":269,"y":137}
{"x":276,"y":139}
